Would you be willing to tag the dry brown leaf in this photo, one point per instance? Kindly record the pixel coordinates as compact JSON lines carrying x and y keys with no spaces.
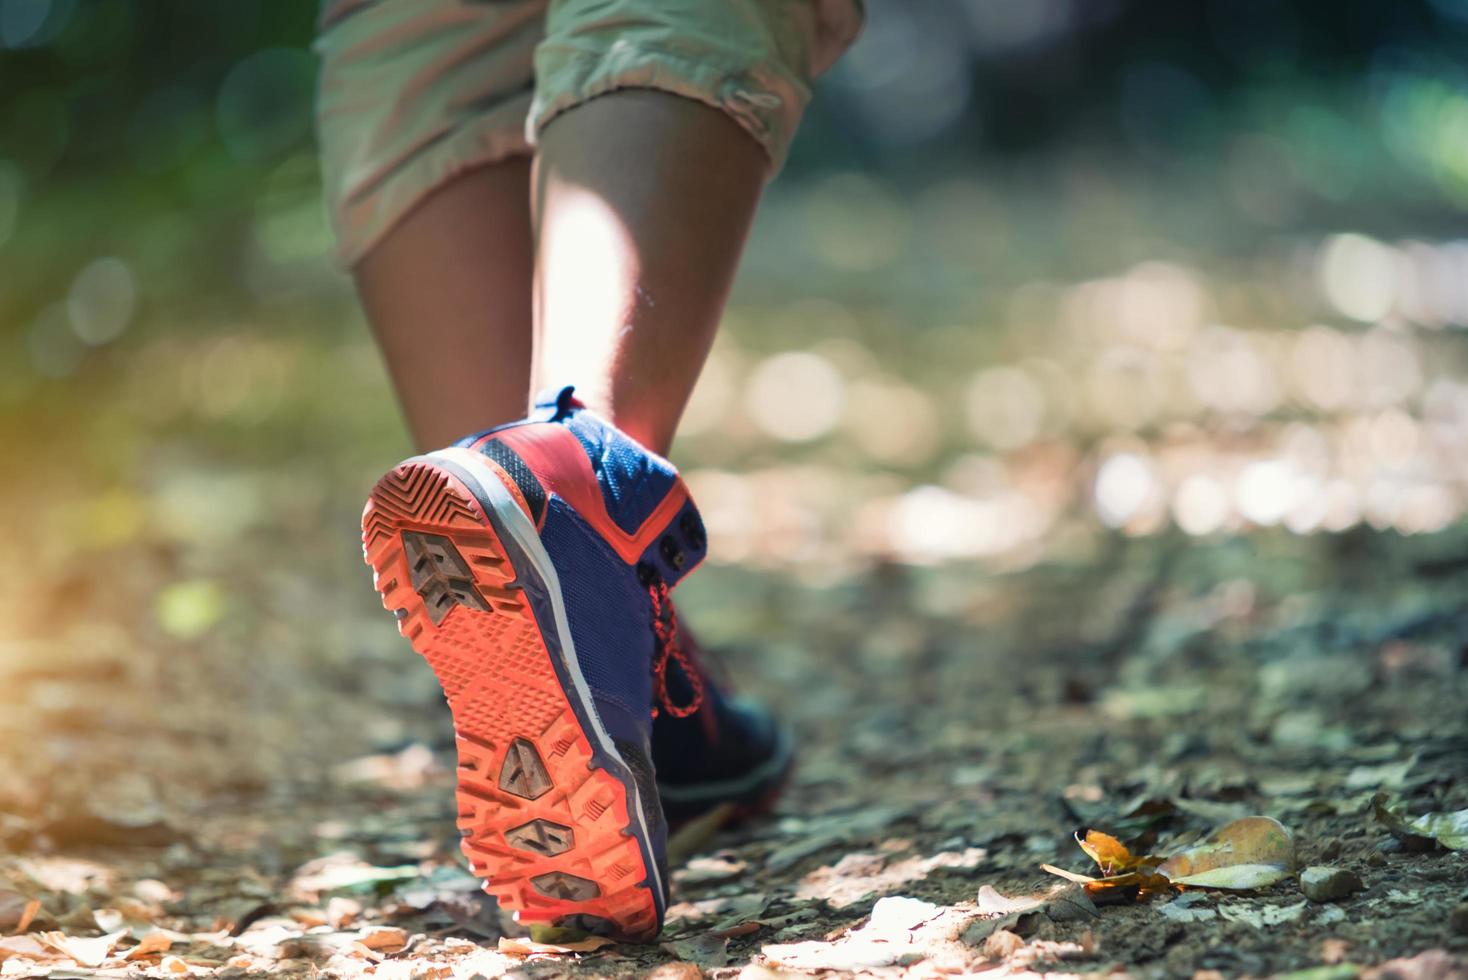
{"x":1248,"y":853}
{"x":150,"y":945}
{"x":172,"y":964}
{"x":362,"y":952}
{"x":387,"y":939}
{"x":1069,"y":875}
{"x":1245,"y":854}
{"x":28,"y":915}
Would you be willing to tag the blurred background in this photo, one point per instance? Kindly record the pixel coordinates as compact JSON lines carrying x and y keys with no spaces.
{"x":1040,"y":277}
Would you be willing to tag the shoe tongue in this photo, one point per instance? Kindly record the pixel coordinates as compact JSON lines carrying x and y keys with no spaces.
{"x":634,"y":479}
{"x":555,"y":404}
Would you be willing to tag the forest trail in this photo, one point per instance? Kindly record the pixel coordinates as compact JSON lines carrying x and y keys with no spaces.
{"x":272,"y":801}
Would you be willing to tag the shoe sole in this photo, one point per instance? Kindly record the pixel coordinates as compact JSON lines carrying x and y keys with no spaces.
{"x":549,"y":812}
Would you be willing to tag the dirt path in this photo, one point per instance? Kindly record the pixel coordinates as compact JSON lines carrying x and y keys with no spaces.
{"x":262,"y":795}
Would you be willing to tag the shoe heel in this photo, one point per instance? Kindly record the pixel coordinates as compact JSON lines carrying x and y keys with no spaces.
{"x":549,"y":832}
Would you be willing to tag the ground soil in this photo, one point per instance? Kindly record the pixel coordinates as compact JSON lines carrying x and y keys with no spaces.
{"x":251,"y":769}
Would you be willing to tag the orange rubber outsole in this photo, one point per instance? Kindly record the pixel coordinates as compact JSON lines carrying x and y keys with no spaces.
{"x":548,"y":832}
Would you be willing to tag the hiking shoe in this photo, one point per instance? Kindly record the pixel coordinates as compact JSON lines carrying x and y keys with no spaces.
{"x":729,"y":752}
{"x":530,"y":565}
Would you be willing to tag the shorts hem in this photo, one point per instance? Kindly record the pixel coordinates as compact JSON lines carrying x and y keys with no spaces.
{"x":577,"y":76}
{"x":477,"y":143}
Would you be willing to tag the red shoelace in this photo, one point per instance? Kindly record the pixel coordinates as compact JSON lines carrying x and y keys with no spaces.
{"x":665,"y":628}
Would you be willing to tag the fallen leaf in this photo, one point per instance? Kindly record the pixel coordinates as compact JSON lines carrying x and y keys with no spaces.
{"x":739,"y":909}
{"x":743,"y":929}
{"x":791,"y":854}
{"x":86,"y":952}
{"x":29,"y":947}
{"x":862,"y":874}
{"x":790,"y":920}
{"x":1240,"y":877}
{"x":1263,"y":916}
{"x":528,"y":947}
{"x":13,"y":906}
{"x":150,"y":945}
{"x":853,"y":954}
{"x":833,"y":830}
{"x":1246,"y":854}
{"x":992,"y":902}
{"x":1070,"y":903}
{"x":1185,"y":908}
{"x":898,"y":914}
{"x":1069,"y":875}
{"x":1115,"y":888}
{"x":709,"y":871}
{"x":28,"y":915}
{"x":709,"y":951}
{"x":386,"y":939}
{"x":1334,"y":971}
{"x":1388,"y":775}
{"x":1448,"y":829}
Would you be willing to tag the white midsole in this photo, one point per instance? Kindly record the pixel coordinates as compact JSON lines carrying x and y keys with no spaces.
{"x":515,"y":520}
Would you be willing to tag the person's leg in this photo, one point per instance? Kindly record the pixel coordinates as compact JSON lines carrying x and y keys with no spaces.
{"x":642,"y":203}
{"x":447,"y":292}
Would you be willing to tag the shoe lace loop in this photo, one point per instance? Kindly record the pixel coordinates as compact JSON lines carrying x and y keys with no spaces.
{"x":665,"y":628}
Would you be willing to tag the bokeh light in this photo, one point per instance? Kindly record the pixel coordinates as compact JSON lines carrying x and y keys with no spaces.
{"x":796,"y":396}
{"x":970,"y":327}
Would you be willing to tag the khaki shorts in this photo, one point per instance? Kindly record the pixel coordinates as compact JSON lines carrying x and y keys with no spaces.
{"x":415,"y":92}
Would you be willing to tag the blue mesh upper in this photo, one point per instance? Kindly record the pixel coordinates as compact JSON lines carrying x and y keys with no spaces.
{"x":633,"y":480}
{"x":610,"y":618}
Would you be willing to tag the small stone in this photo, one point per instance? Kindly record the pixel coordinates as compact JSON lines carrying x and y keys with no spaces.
{"x":1458,"y":919}
{"x":1323,"y":884}
{"x":153,"y":890}
{"x":1388,"y":845}
{"x":1376,"y":859}
{"x":1002,"y":945}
